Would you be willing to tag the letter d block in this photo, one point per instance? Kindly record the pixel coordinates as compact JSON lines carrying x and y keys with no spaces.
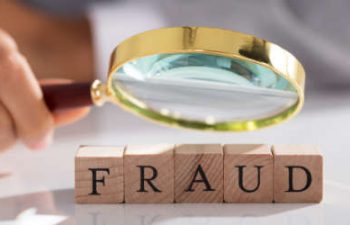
{"x":248,"y":173}
{"x":99,"y":175}
{"x":149,"y":173}
{"x":298,"y":175}
{"x":199,"y":173}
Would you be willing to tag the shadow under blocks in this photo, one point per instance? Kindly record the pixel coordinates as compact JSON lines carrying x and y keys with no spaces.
{"x":199,"y":173}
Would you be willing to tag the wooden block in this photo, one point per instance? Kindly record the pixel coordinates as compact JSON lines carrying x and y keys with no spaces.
{"x":199,"y":173}
{"x":248,"y":173}
{"x":298,"y":175}
{"x":99,"y":175}
{"x":149,"y":174}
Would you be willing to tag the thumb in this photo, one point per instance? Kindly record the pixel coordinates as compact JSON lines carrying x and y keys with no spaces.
{"x":68,"y":116}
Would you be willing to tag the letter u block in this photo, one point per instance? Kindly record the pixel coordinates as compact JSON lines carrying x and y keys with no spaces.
{"x":198,"y":173}
{"x":149,"y":173}
{"x":248,"y":173}
{"x":298,"y":174}
{"x":99,"y":175}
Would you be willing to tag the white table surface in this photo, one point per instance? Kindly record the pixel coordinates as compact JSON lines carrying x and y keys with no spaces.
{"x":37,"y":188}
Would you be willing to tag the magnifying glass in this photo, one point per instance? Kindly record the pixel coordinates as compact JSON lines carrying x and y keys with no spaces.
{"x":195,"y":77}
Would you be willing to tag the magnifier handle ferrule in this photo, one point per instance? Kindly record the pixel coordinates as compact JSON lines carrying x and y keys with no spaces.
{"x":67,"y":96}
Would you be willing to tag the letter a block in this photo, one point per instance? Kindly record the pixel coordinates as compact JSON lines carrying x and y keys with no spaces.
{"x":248,"y":173}
{"x":199,"y":173}
{"x":99,"y":175}
{"x":297,"y":174}
{"x":149,"y":173}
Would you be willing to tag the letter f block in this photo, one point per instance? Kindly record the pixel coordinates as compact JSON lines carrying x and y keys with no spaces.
{"x":298,"y":172}
{"x":248,"y":173}
{"x":149,"y":173}
{"x":99,"y":175}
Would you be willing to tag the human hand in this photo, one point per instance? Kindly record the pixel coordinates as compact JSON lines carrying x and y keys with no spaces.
{"x":23,"y":113}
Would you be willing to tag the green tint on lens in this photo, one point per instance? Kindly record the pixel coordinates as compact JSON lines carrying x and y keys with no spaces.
{"x":204,"y":88}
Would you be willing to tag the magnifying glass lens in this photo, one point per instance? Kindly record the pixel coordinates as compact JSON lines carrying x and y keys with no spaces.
{"x":203,"y":87}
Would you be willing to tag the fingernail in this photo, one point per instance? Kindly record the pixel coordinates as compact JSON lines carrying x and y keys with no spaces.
{"x":42,"y":143}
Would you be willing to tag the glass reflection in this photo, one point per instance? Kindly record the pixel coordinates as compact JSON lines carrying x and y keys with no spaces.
{"x":58,"y":207}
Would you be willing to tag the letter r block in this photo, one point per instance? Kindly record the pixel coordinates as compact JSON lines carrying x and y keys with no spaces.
{"x":198,"y":173}
{"x":149,"y":173}
{"x":297,"y":174}
{"x":99,"y":175}
{"x":248,"y":173}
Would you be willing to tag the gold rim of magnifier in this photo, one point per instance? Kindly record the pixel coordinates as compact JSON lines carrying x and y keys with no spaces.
{"x":212,"y":41}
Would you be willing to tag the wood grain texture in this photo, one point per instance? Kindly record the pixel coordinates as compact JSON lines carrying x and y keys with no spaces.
{"x":198,"y":162}
{"x":91,"y":158}
{"x":149,"y":173}
{"x":294,"y":166}
{"x":248,"y":173}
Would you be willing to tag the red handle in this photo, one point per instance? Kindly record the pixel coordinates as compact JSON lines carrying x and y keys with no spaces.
{"x":67,"y":96}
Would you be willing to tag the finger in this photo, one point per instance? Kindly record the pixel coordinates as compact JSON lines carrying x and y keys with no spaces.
{"x":7,"y":44}
{"x":21,"y":95}
{"x":7,"y":134}
{"x":65,"y":117}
